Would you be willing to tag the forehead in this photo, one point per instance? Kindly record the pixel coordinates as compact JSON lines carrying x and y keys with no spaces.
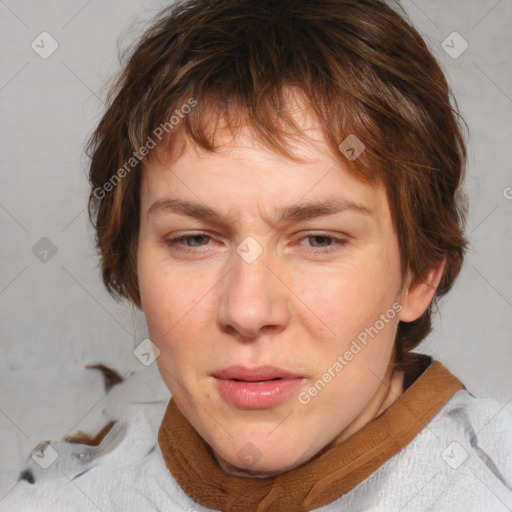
{"x":243,"y":169}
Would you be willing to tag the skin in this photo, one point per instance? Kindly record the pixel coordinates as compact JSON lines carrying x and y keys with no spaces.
{"x":292,"y":307}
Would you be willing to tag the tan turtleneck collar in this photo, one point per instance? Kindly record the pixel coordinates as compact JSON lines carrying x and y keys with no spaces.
{"x":321,"y":480}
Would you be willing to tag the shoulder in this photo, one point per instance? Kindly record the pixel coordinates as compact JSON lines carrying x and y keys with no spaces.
{"x":133,"y":476}
{"x":485,"y":426}
{"x":125,"y":471}
{"x":475,"y":444}
{"x":467,"y":448}
{"x":461,"y":460}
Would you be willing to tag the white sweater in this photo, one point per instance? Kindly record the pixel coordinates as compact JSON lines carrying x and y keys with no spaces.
{"x":461,"y":461}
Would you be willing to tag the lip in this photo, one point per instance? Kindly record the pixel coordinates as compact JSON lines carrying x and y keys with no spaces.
{"x":254,"y":388}
{"x":259,"y":373}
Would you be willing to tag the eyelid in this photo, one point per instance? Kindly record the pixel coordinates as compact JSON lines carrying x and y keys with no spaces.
{"x":338,"y":240}
{"x":174,"y":240}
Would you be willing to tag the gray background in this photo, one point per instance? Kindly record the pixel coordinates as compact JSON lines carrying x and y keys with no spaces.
{"x":56,"y":316}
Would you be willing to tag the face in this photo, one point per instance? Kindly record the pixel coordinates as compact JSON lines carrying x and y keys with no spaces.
{"x":249,"y":259}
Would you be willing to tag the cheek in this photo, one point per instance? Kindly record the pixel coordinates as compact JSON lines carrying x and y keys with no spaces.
{"x":173,"y":303}
{"x":349,"y":299}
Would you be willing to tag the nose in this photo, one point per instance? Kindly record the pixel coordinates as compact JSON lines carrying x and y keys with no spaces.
{"x":254,"y":299}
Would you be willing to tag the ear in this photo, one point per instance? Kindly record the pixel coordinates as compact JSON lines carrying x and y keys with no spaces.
{"x":418,"y":293}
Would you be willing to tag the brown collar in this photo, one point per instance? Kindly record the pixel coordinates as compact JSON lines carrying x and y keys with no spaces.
{"x":322,"y":479}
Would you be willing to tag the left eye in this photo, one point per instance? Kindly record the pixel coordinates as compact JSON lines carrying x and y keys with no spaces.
{"x":321,"y":239}
{"x":177,"y":240}
{"x":187,"y":243}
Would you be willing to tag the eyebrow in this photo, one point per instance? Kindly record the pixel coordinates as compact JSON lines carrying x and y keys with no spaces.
{"x":294,"y":212}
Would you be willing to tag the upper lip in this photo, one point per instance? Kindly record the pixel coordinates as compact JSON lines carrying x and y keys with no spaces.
{"x":254,"y":374}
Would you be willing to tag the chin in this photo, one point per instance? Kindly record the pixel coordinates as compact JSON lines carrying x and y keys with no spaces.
{"x":253,"y":462}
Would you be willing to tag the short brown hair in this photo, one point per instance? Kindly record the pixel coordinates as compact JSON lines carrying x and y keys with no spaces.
{"x":359,"y":64}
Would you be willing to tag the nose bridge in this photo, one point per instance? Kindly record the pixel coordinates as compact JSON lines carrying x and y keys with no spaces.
{"x":250,"y":275}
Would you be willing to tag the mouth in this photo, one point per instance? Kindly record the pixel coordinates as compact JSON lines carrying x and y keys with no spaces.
{"x":256,"y":381}
{"x":260,"y":373}
{"x":259,"y":388}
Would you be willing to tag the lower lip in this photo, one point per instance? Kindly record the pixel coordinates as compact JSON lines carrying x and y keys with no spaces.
{"x":256,"y":395}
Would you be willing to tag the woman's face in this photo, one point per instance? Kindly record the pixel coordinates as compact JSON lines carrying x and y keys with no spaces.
{"x":248,"y":259}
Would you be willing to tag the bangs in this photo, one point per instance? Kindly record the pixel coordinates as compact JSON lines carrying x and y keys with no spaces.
{"x":274,"y":118}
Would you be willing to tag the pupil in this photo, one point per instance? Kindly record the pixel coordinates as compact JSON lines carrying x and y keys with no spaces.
{"x":195,"y":237}
{"x":321,"y":237}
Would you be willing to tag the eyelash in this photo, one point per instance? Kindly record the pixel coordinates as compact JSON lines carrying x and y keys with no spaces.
{"x":174,"y":243}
